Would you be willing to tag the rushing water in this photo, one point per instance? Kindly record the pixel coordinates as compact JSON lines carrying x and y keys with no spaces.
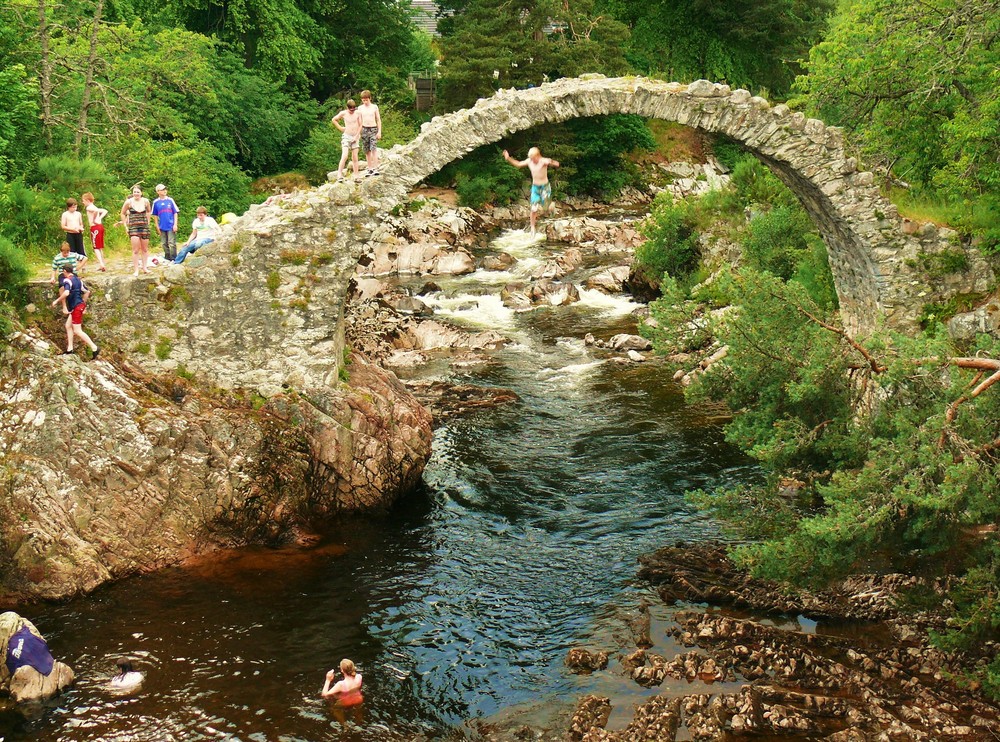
{"x":459,"y":605}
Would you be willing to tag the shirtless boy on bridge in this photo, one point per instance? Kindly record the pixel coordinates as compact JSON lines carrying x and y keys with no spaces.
{"x":541,"y":192}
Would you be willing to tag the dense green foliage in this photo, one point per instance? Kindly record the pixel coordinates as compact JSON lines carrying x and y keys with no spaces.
{"x":757,"y":211}
{"x":201,"y":95}
{"x":747,"y":43}
{"x":882,"y":456}
{"x":917,"y":84}
{"x":591,"y":153}
{"x":900,"y":486}
{"x":671,"y":245}
{"x":13,"y":274}
{"x":496,"y":44}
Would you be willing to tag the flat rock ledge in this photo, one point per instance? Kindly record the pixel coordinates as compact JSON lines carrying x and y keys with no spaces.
{"x":863,"y":681}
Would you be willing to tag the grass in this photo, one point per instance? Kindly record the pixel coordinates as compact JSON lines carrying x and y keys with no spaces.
{"x":970,"y":218}
{"x":675,"y":142}
{"x":39,"y":258}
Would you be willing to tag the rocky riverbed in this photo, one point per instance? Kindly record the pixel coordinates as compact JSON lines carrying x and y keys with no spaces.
{"x":867,"y":672}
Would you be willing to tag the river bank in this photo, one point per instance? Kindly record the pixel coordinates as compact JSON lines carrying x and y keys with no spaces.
{"x":850,"y":663}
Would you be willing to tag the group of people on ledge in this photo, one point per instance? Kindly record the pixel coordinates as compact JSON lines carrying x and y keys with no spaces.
{"x":137,"y":215}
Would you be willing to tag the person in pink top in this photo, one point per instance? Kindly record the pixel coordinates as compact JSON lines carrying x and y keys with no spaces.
{"x":346,"y":693}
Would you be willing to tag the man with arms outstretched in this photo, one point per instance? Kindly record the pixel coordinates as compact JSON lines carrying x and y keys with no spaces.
{"x":541,"y":192}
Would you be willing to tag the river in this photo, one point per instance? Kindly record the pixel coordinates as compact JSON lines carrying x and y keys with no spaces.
{"x":460,"y":605}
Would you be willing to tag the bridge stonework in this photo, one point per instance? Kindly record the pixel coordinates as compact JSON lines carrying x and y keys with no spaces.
{"x":261,"y":308}
{"x":875,"y":264}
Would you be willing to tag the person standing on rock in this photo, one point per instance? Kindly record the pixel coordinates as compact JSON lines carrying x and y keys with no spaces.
{"x":350,"y":139}
{"x":72,"y":224}
{"x":541,"y":191}
{"x":95,"y":218}
{"x":371,"y":131}
{"x":73,"y":296}
{"x":135,"y":218}
{"x":165,"y":210}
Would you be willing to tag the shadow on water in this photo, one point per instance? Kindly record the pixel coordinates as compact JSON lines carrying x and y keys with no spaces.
{"x":460,"y":604}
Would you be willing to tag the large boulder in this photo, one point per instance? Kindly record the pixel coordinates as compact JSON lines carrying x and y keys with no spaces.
{"x":186,"y":467}
{"x":609,"y":280}
{"x":28,"y":672}
{"x":566,"y":262}
{"x":553,"y":293}
{"x":624,"y":342}
{"x":499,"y":262}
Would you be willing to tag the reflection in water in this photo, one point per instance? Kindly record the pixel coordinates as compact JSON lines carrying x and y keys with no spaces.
{"x":461,"y":603}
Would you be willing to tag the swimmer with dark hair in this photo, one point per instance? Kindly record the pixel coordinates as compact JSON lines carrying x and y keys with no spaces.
{"x":128,"y":678}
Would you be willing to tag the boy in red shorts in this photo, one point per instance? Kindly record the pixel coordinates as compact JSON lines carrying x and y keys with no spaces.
{"x":95,"y":218}
{"x":73,"y":295}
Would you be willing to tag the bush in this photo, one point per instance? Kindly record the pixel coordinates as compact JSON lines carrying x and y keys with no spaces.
{"x":13,"y":277}
{"x":601,"y":143}
{"x":194,"y":170}
{"x":671,"y":245}
{"x":321,"y":152}
{"x":777,"y":241}
{"x":30,"y":208}
{"x":756,"y":184}
{"x":13,"y":272}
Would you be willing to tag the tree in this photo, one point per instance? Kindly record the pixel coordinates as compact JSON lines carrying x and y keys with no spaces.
{"x":748,"y":43}
{"x":895,"y":444}
{"x":521,"y":43}
{"x":918,"y":86}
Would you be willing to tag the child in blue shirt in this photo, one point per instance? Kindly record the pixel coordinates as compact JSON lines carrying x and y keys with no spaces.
{"x":166,"y":211}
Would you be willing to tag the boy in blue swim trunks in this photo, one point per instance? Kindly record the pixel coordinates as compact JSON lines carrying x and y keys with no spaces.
{"x":541,"y":191}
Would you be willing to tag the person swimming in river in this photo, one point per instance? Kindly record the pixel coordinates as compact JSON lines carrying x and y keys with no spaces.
{"x":128,"y":678}
{"x":346,"y":694}
{"x":541,"y":191}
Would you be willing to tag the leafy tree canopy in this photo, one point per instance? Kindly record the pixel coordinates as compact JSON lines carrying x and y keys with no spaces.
{"x":918,"y":86}
{"x":747,"y":43}
{"x":521,"y":43}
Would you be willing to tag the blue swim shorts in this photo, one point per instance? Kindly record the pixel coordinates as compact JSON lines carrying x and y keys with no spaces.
{"x":540,"y":196}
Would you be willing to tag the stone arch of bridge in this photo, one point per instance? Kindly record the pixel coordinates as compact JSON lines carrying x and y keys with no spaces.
{"x":861,"y":229}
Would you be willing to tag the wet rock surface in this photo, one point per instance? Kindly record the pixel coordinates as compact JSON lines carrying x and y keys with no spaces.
{"x":446,"y":400}
{"x":36,"y":675}
{"x":871,"y":681}
{"x":583,"y":661}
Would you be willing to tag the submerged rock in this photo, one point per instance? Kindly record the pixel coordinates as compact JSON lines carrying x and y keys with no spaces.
{"x":584,"y":662}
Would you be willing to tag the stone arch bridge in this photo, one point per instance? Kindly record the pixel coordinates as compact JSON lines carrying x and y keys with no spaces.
{"x":261,"y":308}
